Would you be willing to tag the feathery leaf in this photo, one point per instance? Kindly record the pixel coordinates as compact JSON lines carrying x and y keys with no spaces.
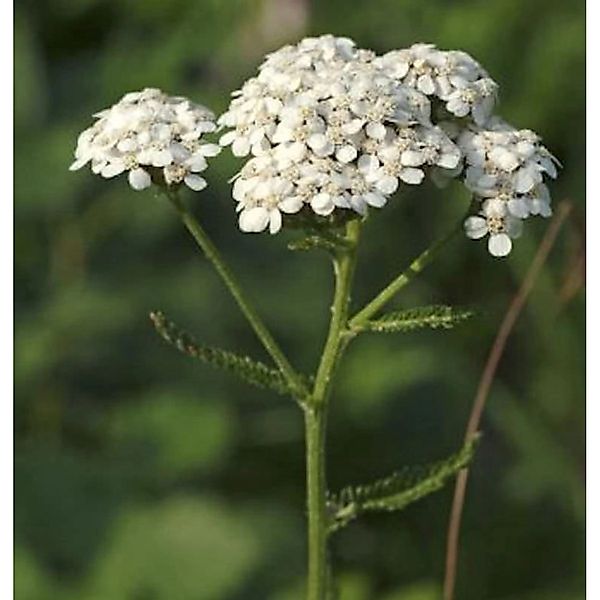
{"x":249,"y":370}
{"x":432,"y":317}
{"x":396,"y":491}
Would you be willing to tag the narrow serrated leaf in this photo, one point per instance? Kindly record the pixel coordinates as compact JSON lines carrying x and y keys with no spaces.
{"x":396,"y":491}
{"x":249,"y":370}
{"x":424,"y":317}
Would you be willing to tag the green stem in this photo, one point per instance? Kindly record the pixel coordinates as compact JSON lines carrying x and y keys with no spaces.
{"x":316,"y":484}
{"x":316,"y":417}
{"x":260,"y":329}
{"x":418,"y":264}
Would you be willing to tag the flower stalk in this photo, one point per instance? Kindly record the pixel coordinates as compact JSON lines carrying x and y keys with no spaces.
{"x":260,"y":329}
{"x":359,"y":320}
{"x":344,"y":263}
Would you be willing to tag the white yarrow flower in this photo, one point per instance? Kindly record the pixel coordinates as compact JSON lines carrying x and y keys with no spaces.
{"x":505,"y":170}
{"x":149,"y":134}
{"x":326,"y":117}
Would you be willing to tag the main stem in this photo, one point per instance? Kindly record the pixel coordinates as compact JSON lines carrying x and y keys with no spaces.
{"x":316,"y":418}
{"x":263,"y":334}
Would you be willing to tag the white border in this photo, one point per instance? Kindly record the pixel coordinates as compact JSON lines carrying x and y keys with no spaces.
{"x":593,"y":320}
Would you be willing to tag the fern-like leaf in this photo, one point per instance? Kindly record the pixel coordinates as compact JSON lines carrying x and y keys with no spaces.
{"x":396,"y":491}
{"x":249,"y":370}
{"x":424,"y":317}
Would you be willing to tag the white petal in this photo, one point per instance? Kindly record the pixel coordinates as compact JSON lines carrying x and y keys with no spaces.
{"x":320,"y":144}
{"x":227,"y":138}
{"x":387,"y":184}
{"x":346,"y":154}
{"x":367,"y":164}
{"x":353,"y":126}
{"x":375,"y":131}
{"x":425,"y":84}
{"x":113,"y":169}
{"x":499,"y":244}
{"x":449,"y":160}
{"x":162,"y":158}
{"x":412,"y":176}
{"x":475,"y":227}
{"x":457,"y":107}
{"x":525,"y":179}
{"x":240,"y":146}
{"x":376,"y":200}
{"x":518,"y":207}
{"x":196,"y":163}
{"x":127,"y":145}
{"x":274,"y":221}
{"x":261,"y":147}
{"x":139,"y":179}
{"x":77,"y":164}
{"x":209,"y":149}
{"x":359,"y":205}
{"x":254,"y":220}
{"x":322,"y":204}
{"x":412,"y":158}
{"x":504,"y":159}
{"x":291,"y":205}
{"x":195,"y":182}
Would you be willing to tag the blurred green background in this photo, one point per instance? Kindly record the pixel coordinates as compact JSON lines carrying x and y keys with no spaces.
{"x":141,"y":475}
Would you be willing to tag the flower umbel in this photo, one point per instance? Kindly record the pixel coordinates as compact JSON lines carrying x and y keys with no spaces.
{"x":331,"y":128}
{"x":505,"y":170}
{"x":328,"y":129}
{"x":152,"y":137}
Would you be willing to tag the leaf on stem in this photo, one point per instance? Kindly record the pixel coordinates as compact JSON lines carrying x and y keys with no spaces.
{"x":249,"y":370}
{"x":396,"y":491}
{"x":430,"y":317}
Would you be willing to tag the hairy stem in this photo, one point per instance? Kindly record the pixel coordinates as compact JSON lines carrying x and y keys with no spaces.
{"x":210,"y":251}
{"x":417,"y":265}
{"x":316,"y":418}
{"x":315,"y":422}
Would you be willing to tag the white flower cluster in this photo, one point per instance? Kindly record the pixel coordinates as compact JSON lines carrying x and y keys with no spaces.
{"x":505,"y":169}
{"x":148,"y":133}
{"x":452,"y":76}
{"x":327,"y":128}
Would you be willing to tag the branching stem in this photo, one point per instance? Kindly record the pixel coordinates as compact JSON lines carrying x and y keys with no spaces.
{"x":260,"y":329}
{"x":417,"y":265}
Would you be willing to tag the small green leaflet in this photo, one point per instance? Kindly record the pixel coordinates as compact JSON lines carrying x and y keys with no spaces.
{"x":430,"y":317}
{"x":396,"y":491}
{"x":249,"y":370}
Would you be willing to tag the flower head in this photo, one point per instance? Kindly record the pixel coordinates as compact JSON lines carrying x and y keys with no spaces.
{"x":505,"y":170}
{"x":327,"y":119}
{"x":453,"y":77}
{"x":149,"y":134}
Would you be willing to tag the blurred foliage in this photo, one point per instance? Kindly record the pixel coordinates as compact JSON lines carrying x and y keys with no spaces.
{"x":141,"y":475}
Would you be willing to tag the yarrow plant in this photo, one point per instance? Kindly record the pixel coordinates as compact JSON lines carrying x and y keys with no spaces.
{"x":329,"y":133}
